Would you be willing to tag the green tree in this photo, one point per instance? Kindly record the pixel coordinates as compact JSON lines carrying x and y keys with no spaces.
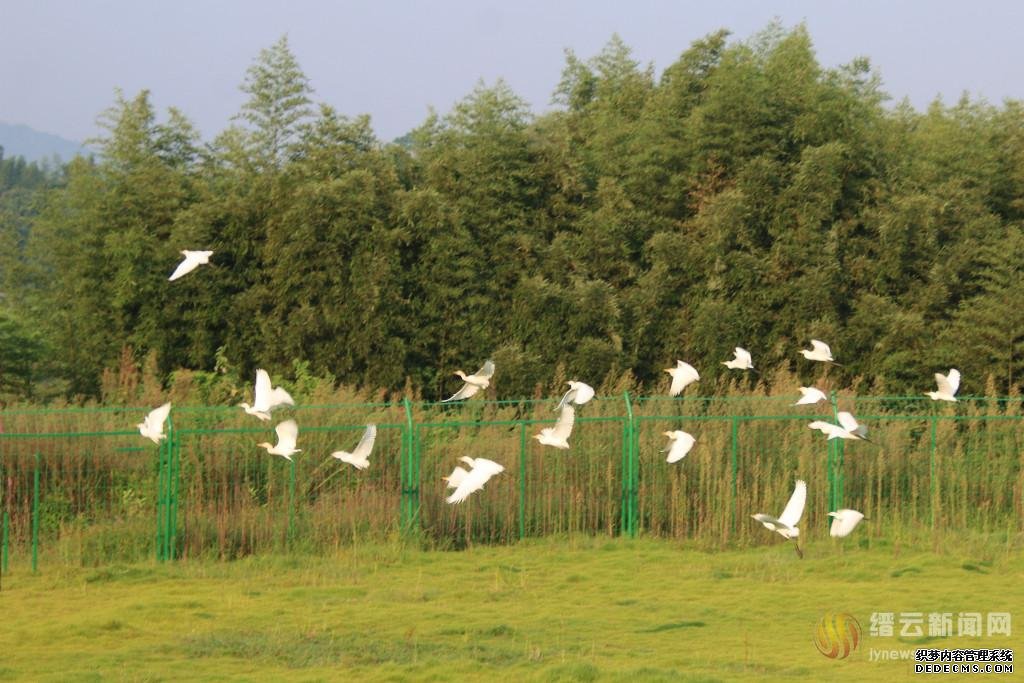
{"x":278,"y":102}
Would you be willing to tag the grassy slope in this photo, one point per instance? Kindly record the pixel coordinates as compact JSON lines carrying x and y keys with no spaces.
{"x":585,"y":609}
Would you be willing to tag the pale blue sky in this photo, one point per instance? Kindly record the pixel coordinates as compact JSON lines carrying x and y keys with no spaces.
{"x":60,"y":60}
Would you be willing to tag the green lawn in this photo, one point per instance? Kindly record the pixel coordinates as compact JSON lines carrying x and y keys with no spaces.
{"x":584,"y":609}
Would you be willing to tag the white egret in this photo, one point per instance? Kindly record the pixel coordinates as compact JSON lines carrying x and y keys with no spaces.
{"x":843,"y":522}
{"x":152,"y":426}
{"x":681,"y":443}
{"x":287,"y":435}
{"x":483,"y":470}
{"x":456,"y":477}
{"x":683,"y":375}
{"x":848,"y":428}
{"x":741,"y":360}
{"x":948,"y":384}
{"x":266,"y":399}
{"x":473,"y":383}
{"x":358,"y":458}
{"x":810,"y":396}
{"x":579,"y":393}
{"x":193,"y":259}
{"x":819,"y":351}
{"x":786,"y":523}
{"x":558,"y":436}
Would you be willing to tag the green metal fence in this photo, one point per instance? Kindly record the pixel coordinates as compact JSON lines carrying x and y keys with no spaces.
{"x":82,"y":487}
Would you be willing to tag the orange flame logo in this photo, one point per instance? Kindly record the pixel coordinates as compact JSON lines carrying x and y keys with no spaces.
{"x":837,"y":635}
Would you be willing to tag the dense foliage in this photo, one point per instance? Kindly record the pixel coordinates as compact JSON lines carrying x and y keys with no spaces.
{"x":748,"y":196}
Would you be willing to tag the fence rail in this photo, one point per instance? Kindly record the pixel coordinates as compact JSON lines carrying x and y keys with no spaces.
{"x":80,"y":486}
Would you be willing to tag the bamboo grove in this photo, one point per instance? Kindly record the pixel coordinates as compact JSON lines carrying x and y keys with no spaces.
{"x":746,"y":195}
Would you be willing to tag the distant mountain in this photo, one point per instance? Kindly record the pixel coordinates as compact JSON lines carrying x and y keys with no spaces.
{"x":20,"y":140}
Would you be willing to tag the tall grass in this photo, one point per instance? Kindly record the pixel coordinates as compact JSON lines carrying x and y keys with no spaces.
{"x":933,"y":470}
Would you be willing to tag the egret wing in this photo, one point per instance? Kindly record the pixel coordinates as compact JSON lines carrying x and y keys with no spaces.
{"x":456,"y":477}
{"x":847,"y":421}
{"x":563,"y":428}
{"x":681,"y":445}
{"x":487,"y":370}
{"x":156,"y":418}
{"x":824,"y":427}
{"x":684,"y":375}
{"x":795,"y":507}
{"x":768,"y":519}
{"x":262,"y":393}
{"x":287,"y":434}
{"x":948,"y":384}
{"x":584,"y":392}
{"x":821,"y":347}
{"x":843,"y":522}
{"x":483,"y":470}
{"x":810,"y":395}
{"x":184,"y":268}
{"x":743,"y":355}
{"x":365,"y":445}
{"x":466,"y":391}
{"x":567,"y":398}
{"x":280,"y":397}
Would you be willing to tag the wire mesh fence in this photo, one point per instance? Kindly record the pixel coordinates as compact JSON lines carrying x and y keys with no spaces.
{"x":82,"y":487}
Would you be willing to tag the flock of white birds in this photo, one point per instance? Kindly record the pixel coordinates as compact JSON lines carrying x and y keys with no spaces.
{"x":266,"y":398}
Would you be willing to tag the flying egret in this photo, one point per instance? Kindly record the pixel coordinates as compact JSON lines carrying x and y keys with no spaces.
{"x":681,"y":445}
{"x":819,"y":351}
{"x":786,"y":523}
{"x":848,"y":428}
{"x":948,"y":384}
{"x":266,"y":399}
{"x":193,"y":259}
{"x":152,"y":426}
{"x":483,"y":470}
{"x":358,"y":458}
{"x":843,"y":522}
{"x":456,"y":477}
{"x":473,"y":383}
{"x":579,"y":393}
{"x":741,"y":360}
{"x":558,"y":436}
{"x":287,"y":434}
{"x":810,"y":396}
{"x":683,"y":375}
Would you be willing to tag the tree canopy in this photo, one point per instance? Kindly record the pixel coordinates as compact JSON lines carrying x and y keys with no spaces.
{"x":745,"y":196}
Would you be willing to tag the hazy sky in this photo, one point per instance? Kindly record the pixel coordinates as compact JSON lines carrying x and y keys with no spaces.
{"x":61,"y":60}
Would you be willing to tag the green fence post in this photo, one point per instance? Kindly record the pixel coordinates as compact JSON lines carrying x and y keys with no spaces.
{"x":168,"y":474}
{"x":410,"y":473}
{"x":175,"y":490}
{"x":931,"y":470}
{"x":831,"y":464}
{"x":4,"y":529}
{"x":35,"y":518}
{"x":522,"y":480}
{"x":623,"y":503}
{"x":735,"y":462}
{"x":632,"y":471}
{"x":174,"y":457}
{"x":3,"y":547}
{"x":291,"y":502}
{"x":161,"y":514}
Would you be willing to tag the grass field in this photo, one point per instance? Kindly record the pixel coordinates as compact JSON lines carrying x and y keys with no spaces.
{"x":580,"y":609}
